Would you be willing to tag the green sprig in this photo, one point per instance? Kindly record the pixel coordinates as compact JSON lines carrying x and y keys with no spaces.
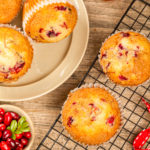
{"x":18,"y":128}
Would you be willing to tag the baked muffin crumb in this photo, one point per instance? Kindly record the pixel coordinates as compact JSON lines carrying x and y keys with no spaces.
{"x":9,"y":10}
{"x":123,"y":56}
{"x":91,"y":115}
{"x":15,"y":54}
{"x":50,"y":23}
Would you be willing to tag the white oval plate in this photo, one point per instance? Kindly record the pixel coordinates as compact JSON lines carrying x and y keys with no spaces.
{"x":52,"y":64}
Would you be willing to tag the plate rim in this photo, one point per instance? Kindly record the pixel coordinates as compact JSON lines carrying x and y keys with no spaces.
{"x":65,"y":78}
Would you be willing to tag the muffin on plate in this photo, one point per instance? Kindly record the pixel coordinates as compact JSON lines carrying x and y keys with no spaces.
{"x":15,"y":54}
{"x":125,"y":58}
{"x":91,"y":115}
{"x":9,"y":9}
{"x":49,"y":21}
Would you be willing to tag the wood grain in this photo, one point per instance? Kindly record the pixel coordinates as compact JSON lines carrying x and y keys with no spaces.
{"x":103,"y":16}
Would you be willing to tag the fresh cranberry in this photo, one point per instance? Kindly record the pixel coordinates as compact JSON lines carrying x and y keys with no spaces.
{"x":64,"y":25}
{"x":17,"y":142}
{"x":103,"y":56}
{"x":91,"y":104}
{"x":110,"y":120}
{"x":10,"y":142}
{"x":120,"y":54}
{"x":4,"y":146}
{"x":108,"y":65}
{"x":122,"y":77}
{"x":15,"y":116}
{"x":17,"y":68}
{"x":7,"y":118}
{"x":6,"y":134}
{"x":2,"y":127}
{"x":1,"y":134}
{"x":74,"y":103}
{"x":126,"y":53}
{"x":41,"y":30}
{"x":19,"y":148}
{"x":19,"y":136}
{"x":62,"y":8}
{"x":125,"y":34}
{"x":58,"y":33}
{"x":24,"y":141}
{"x":70,"y":120}
{"x":52,"y":33}
{"x":120,"y":46}
{"x":1,"y":118}
{"x":135,"y":54}
{"x":27,"y":135}
{"x":2,"y":111}
{"x":21,"y":145}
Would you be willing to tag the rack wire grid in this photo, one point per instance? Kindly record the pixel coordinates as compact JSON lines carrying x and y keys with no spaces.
{"x":136,"y":116}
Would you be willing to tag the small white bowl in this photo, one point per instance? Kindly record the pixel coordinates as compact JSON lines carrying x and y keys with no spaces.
{"x":22,"y":113}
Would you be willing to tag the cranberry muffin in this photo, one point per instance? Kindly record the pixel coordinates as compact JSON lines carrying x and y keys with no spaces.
{"x":50,"y":22}
{"x":9,"y":9}
{"x":91,"y":115}
{"x":125,"y":58}
{"x":15,"y":54}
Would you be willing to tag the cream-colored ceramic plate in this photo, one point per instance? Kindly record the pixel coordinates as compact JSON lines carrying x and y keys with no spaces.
{"x":52,"y":64}
{"x":22,"y":113}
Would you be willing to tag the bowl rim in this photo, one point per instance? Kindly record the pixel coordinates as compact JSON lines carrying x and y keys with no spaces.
{"x":20,"y":111}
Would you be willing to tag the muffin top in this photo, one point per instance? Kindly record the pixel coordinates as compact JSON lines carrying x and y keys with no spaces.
{"x":9,"y":9}
{"x":91,"y":115}
{"x":125,"y":58}
{"x":51,"y":23}
{"x":15,"y":54}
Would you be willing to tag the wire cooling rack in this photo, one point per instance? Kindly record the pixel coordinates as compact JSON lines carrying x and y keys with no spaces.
{"x":136,"y":116}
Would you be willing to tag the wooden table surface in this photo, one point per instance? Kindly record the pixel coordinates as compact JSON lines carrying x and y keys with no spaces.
{"x":103,"y":16}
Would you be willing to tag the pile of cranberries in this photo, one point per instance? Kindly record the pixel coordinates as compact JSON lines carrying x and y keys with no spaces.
{"x":6,"y":140}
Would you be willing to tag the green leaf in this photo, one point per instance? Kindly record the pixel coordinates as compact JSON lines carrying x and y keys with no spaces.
{"x":25,"y":129}
{"x":21,"y":121}
{"x":18,"y":132}
{"x":20,"y":127}
{"x":25,"y":124}
{"x":8,"y":128}
{"x":13,"y":125}
{"x":13,"y":136}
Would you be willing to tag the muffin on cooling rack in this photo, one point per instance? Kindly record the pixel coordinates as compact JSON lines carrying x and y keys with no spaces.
{"x":15,"y":54}
{"x":9,"y":9}
{"x":125,"y":58}
{"x":49,"y":21}
{"x":91,"y":115}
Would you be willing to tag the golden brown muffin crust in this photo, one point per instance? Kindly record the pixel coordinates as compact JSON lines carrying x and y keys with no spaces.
{"x":91,"y":115}
{"x":125,"y":58}
{"x":51,"y":23}
{"x":9,"y":9}
{"x":15,"y":54}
